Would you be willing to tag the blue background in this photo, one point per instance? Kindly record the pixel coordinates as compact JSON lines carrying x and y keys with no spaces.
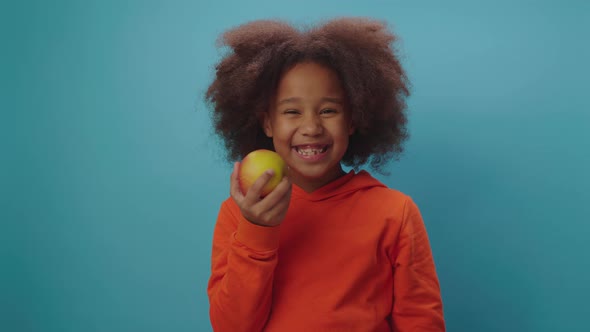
{"x":112,"y":178}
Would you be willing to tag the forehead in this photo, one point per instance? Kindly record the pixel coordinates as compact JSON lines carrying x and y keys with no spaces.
{"x":309,"y":80}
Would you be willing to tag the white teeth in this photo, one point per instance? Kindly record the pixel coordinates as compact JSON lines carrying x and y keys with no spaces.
{"x":310,"y":151}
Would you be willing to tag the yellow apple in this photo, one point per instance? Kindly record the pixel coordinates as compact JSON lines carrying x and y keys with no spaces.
{"x":255,"y":164}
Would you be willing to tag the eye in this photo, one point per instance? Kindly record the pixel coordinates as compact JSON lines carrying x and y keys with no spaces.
{"x":291,"y":111}
{"x":328,"y":111}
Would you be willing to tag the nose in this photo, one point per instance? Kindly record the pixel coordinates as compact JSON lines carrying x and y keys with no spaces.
{"x":312,"y":125}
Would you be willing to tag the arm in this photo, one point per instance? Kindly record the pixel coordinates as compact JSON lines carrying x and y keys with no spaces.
{"x":417,"y":304}
{"x":244,"y":255}
{"x":243,"y":261}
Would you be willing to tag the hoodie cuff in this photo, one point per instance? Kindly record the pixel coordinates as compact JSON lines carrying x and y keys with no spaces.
{"x":257,"y":238}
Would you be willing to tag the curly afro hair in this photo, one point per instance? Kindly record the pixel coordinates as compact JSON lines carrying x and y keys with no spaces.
{"x":359,"y":50}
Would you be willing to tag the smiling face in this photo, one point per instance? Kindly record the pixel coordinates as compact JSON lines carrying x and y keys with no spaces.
{"x":310,"y":124}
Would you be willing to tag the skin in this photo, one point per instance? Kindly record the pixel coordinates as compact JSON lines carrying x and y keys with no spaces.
{"x":308,"y":111}
{"x":267,"y":211}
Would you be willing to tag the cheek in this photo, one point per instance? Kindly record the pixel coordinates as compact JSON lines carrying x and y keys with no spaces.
{"x":281,"y":137}
{"x":282,"y":130}
{"x":342,"y":131}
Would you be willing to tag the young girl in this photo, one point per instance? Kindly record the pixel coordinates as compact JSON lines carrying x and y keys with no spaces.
{"x":325,"y":250}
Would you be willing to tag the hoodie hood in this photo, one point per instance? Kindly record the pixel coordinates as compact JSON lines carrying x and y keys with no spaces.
{"x":339,"y":188}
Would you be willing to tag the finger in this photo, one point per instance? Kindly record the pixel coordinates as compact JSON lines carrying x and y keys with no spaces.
{"x":283,"y":200}
{"x":264,"y":208}
{"x":278,"y":212}
{"x":234,"y":185}
{"x":255,"y":191}
{"x":282,"y":189}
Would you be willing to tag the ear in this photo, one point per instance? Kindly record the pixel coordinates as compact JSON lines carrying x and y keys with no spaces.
{"x":351,"y":128}
{"x":266,"y":125}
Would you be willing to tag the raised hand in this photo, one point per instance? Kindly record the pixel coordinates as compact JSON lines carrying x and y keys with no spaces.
{"x":264,"y":211}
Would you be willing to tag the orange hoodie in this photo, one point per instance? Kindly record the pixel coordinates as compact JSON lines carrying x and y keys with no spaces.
{"x":350,"y":256}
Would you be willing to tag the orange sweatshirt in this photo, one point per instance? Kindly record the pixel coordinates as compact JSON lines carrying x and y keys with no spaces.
{"x":350,"y":256}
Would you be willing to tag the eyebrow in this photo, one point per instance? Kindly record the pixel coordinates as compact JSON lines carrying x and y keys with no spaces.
{"x":297,"y":99}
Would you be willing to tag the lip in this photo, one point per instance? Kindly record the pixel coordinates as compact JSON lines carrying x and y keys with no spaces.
{"x":313,"y":157}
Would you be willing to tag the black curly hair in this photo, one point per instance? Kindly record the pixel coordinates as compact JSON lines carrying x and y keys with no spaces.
{"x":359,"y":50}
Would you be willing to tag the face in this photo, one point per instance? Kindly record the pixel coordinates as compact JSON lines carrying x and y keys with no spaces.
{"x":310,"y":123}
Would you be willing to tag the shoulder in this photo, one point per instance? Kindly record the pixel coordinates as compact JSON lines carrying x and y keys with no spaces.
{"x":378,"y":188}
{"x":380,"y":195}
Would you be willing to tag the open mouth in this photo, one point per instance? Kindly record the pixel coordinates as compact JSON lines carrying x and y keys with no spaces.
{"x":310,"y":150}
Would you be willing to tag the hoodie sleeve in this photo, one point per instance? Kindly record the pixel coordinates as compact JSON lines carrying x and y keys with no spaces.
{"x":244,"y":257}
{"x":417,"y":303}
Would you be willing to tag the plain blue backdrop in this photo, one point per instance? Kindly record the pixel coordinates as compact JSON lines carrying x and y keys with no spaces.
{"x":112,"y":178}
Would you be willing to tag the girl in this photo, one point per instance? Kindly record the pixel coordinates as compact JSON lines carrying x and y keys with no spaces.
{"x":325,"y":250}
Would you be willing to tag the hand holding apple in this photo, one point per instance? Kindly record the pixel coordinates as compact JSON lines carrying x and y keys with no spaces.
{"x":261,"y":201}
{"x":255,"y":164}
